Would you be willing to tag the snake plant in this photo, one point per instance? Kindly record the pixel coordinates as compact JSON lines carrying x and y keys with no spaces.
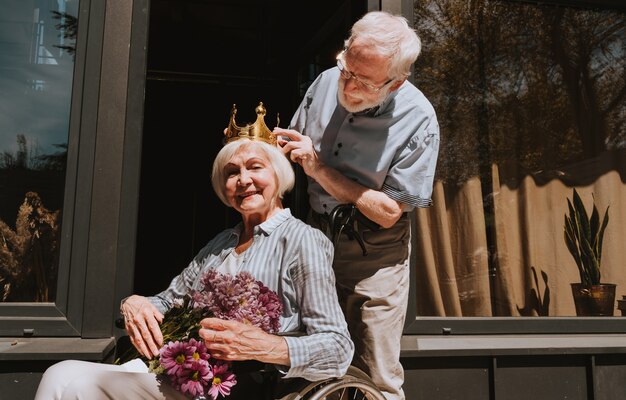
{"x":583,"y":236}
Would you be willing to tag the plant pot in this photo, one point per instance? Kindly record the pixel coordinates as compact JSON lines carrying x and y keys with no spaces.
{"x":594,"y":300}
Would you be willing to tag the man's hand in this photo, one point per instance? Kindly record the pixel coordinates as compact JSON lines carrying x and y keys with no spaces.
{"x":235,"y":341}
{"x":142,"y":321}
{"x":299,"y":148}
{"x":374,"y":204}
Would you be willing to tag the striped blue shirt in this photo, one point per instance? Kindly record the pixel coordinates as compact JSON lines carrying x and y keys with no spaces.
{"x":392,"y":148}
{"x":293,"y":259}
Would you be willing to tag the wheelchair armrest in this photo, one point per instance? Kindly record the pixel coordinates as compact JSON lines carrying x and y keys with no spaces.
{"x":119,"y":323}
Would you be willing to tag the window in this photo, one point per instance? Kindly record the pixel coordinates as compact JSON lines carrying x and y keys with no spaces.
{"x":36,"y":70}
{"x":531,"y":100}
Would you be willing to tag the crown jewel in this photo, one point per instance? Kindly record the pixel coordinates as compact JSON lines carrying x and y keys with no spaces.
{"x":256,"y":131}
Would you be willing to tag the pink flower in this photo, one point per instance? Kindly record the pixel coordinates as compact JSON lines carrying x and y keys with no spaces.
{"x":194,"y":379}
{"x":174,"y":356}
{"x":223,"y":380}
{"x":200,"y":352}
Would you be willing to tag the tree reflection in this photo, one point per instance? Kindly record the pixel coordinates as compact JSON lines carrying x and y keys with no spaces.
{"x":29,"y":248}
{"x":542,"y":86}
{"x":27,"y":158}
{"x":29,"y":255}
{"x":68,"y":28}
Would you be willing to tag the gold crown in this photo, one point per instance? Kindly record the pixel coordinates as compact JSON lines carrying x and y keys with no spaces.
{"x":256,"y":131}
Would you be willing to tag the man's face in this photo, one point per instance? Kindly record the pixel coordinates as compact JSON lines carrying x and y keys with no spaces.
{"x":368,"y":84}
{"x":354,"y":102}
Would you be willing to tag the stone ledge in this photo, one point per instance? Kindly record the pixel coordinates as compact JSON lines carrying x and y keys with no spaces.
{"x":495,"y":345}
{"x":56,"y":348}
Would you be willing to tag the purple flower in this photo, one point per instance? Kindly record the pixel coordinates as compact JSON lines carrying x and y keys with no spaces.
{"x":271,"y":306}
{"x":202,"y":299}
{"x":186,"y":361}
{"x":223,"y":380}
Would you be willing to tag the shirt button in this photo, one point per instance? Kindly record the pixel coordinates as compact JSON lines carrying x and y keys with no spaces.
{"x":351,"y":120}
{"x":339,"y":144}
{"x":336,"y":153}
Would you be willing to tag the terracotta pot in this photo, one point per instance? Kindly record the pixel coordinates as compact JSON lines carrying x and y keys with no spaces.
{"x":594,"y":300}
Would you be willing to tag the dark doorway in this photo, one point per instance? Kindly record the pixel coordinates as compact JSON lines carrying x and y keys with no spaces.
{"x":203,"y":56}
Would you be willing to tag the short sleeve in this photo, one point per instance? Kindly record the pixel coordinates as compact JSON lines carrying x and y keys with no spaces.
{"x":410,"y":178}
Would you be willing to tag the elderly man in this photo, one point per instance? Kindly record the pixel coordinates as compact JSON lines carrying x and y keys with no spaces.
{"x":368,"y":141}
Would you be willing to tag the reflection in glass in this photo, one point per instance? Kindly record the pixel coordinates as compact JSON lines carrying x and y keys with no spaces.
{"x":37,"y":42}
{"x":531,"y":100}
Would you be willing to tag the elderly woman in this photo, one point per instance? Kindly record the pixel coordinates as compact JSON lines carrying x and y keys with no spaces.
{"x":284,"y":253}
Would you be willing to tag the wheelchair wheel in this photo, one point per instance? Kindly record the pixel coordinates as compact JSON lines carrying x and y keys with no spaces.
{"x":355,"y":385}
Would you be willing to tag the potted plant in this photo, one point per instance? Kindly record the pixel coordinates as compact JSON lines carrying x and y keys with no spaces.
{"x":583,"y":236}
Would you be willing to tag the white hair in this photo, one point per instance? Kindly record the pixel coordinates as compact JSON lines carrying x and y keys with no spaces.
{"x":391,"y":36}
{"x":279,"y":162}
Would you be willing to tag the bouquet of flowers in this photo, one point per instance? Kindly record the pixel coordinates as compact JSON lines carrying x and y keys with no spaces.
{"x":184,"y":360}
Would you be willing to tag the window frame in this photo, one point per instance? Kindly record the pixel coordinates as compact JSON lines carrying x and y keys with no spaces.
{"x":92,"y":254}
{"x":429,"y":325}
{"x":102,"y":178}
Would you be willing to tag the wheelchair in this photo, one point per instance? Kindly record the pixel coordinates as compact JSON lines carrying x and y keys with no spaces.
{"x":354,"y":385}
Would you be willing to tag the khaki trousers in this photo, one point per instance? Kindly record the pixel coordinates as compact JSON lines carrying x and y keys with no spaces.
{"x":373,"y":293}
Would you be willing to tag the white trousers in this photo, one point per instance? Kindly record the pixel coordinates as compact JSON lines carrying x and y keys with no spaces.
{"x":83,"y":380}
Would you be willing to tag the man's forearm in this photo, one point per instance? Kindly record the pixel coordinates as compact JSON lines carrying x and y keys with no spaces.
{"x":374,"y":204}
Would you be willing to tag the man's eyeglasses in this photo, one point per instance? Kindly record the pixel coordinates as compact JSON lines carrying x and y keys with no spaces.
{"x":347,"y":75}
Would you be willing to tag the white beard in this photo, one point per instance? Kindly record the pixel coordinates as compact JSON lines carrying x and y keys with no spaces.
{"x":358,"y":103}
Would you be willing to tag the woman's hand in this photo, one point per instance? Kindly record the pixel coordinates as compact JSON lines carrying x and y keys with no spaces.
{"x":235,"y":341}
{"x":142,"y":321}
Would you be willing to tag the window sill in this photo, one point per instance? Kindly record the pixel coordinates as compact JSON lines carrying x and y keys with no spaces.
{"x":498,"y":345}
{"x":56,"y":348}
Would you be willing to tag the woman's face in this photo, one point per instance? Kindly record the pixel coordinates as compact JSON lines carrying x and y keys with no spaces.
{"x":251,"y":183}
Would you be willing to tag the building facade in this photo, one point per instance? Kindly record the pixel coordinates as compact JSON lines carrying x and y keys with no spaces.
{"x":112,"y":112}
